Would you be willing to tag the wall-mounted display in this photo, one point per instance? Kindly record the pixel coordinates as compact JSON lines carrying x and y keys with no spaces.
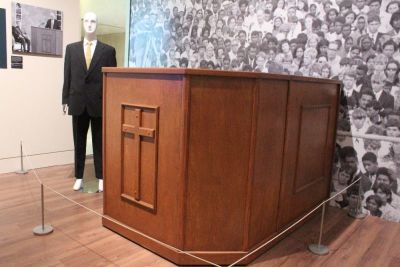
{"x":356,"y":42}
{"x":3,"y":40}
{"x":36,"y":30}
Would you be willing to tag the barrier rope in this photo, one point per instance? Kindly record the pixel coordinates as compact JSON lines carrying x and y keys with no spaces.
{"x":294,"y":224}
{"x":370,"y":136}
{"x":38,"y":154}
{"x":36,"y":175}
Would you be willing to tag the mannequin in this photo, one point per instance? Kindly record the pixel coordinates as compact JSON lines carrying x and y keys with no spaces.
{"x":82,"y":95}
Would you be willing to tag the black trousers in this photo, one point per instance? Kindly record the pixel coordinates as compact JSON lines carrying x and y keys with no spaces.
{"x":80,"y":126}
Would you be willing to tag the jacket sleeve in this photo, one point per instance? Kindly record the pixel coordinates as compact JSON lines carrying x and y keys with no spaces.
{"x":391,"y":102}
{"x":112,"y":60}
{"x":67,"y":76}
{"x":14,"y":32}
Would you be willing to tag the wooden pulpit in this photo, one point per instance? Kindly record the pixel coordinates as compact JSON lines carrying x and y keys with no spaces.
{"x":213,"y":163}
{"x":47,"y":41}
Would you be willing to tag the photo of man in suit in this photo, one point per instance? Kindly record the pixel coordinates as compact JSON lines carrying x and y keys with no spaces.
{"x":82,"y":94}
{"x":384,"y":98}
{"x":53,"y":23}
{"x":374,"y":22}
{"x":21,"y":37}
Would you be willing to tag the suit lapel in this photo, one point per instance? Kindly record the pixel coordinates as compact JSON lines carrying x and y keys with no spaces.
{"x":382,"y":97}
{"x":81,"y":55}
{"x":96,"y":56}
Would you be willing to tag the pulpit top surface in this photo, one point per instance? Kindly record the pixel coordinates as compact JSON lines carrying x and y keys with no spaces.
{"x":206,"y":72}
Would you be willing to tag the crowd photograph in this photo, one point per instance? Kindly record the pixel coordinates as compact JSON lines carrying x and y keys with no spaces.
{"x":353,"y":41}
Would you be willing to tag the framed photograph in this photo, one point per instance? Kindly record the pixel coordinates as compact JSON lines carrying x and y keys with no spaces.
{"x":36,"y":30}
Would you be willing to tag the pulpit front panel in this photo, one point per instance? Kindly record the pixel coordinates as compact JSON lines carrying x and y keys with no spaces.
{"x":143,"y":132}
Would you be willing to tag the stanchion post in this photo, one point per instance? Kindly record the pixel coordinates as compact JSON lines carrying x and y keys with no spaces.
{"x":320,"y":249}
{"x":22,"y":170}
{"x":42,"y":229}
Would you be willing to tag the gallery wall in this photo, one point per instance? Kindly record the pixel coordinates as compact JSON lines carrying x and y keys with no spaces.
{"x":354,"y":41}
{"x":116,"y":40}
{"x":30,"y":98}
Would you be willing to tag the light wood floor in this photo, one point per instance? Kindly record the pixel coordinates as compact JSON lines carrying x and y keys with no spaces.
{"x":80,"y":240}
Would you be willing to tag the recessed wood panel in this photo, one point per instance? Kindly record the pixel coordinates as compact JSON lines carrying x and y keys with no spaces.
{"x":313,"y":138}
{"x":310,"y":131}
{"x":139,"y":155}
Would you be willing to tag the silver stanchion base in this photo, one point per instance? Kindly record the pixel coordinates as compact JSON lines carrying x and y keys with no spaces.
{"x":21,"y":172}
{"x":318,"y":249}
{"x":43,"y":230}
{"x":357,"y":215}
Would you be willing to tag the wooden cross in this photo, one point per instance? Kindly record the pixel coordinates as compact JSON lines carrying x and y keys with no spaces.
{"x":138,"y":132}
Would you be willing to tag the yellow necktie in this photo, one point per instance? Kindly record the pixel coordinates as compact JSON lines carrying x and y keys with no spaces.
{"x":88,"y":54}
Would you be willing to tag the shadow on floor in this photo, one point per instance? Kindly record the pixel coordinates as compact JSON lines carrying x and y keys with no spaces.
{"x":90,"y":182}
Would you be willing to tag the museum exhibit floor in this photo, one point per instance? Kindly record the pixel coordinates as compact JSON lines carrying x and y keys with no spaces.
{"x":79,"y":239}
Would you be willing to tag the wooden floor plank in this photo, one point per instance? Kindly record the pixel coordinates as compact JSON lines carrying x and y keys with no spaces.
{"x":378,"y":251}
{"x":80,"y":240}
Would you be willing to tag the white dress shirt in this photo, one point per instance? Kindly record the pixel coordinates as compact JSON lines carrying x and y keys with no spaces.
{"x":378,"y":95}
{"x":349,"y":92}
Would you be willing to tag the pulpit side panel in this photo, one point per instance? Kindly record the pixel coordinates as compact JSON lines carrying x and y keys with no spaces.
{"x":310,"y":139}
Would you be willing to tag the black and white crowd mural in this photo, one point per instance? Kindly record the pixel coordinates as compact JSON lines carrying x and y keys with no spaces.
{"x":354,"y":41}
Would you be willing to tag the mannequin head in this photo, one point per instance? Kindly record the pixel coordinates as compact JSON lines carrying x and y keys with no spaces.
{"x":90,"y":25}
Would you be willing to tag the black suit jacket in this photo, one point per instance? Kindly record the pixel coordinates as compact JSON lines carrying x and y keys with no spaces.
{"x":83,"y":88}
{"x":376,"y":43}
{"x":56,"y":24}
{"x":17,"y":33}
{"x":386,"y":100}
{"x":351,"y":101}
